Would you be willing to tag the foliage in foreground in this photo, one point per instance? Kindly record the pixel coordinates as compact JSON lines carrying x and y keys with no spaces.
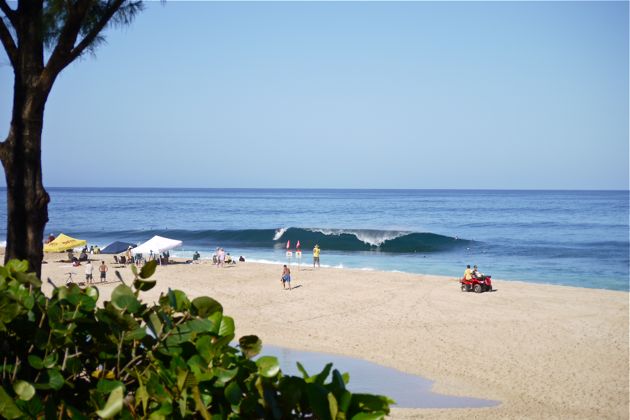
{"x":66,"y":357}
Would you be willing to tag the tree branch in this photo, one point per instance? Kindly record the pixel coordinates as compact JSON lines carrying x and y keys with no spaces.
{"x":91,"y":36}
{"x":3,"y":150}
{"x":8,"y":43}
{"x":10,"y":13}
{"x":65,"y":52}
{"x":60,"y":56}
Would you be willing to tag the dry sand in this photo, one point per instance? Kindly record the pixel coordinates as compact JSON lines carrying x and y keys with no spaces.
{"x":543,"y":351}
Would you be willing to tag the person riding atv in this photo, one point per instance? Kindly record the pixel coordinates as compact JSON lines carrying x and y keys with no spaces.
{"x":474,"y":280}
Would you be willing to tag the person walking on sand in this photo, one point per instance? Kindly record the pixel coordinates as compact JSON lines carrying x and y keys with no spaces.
{"x":103,"y":270}
{"x":286,"y":277}
{"x":316,"y":255}
{"x":88,"y":272}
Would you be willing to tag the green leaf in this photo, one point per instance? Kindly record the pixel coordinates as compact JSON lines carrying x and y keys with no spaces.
{"x":144,"y":285}
{"x":4,"y":273}
{"x":177,"y":300}
{"x":321,"y":377}
{"x":36,"y":362}
{"x":92,"y":292}
{"x":137,"y":334}
{"x":250,"y":345}
{"x":55,"y":379}
{"x":154,"y":323}
{"x":332,"y":405}
{"x":227,"y":326}
{"x":124,"y":299}
{"x":268,"y":366}
{"x":113,"y":405}
{"x":8,"y":409}
{"x":378,"y":415}
{"x":224,"y":375}
{"x":233,"y":393}
{"x":143,"y":396}
{"x":134,"y":270}
{"x":148,"y":269}
{"x":24,"y":390}
{"x":370,"y":403}
{"x":205,"y":348}
{"x":17,"y":266}
{"x":105,"y":386}
{"x":28,"y":278}
{"x":199,"y":325}
{"x":318,"y":398}
{"x":302,"y":371}
{"x":50,"y":360}
{"x":204,"y":306}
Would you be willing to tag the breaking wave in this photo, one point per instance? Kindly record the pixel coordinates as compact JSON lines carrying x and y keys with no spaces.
{"x":394,"y":241}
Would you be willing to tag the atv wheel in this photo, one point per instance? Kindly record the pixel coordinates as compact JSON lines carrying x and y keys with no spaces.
{"x":463,"y":287}
{"x":477,"y":288}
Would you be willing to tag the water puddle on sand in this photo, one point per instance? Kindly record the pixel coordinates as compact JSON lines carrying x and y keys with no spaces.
{"x":409,"y":391}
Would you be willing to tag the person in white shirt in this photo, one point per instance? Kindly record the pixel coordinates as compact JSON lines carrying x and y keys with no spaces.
{"x":88,"y":272}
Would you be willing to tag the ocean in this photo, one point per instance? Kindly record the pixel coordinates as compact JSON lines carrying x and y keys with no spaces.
{"x":577,"y":238}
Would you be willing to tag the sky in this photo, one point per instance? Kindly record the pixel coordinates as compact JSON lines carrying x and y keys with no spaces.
{"x":462,"y":95}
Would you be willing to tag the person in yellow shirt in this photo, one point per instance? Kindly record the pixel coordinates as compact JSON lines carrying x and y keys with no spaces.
{"x":468,"y":273}
{"x":316,"y":256}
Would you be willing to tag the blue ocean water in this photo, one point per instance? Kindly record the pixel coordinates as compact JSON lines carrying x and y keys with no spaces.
{"x":578,"y":238}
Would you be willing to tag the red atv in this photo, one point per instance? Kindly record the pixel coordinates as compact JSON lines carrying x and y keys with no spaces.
{"x":477,"y":284}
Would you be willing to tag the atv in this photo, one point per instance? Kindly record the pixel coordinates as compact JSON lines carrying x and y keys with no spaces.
{"x":477,"y":284}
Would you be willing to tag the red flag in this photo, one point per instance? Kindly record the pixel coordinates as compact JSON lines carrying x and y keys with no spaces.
{"x":288,"y":244}
{"x":298,"y":244}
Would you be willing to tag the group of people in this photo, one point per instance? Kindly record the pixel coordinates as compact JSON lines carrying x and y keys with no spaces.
{"x":220,"y":258}
{"x":101,"y":268}
{"x":285,"y":278}
{"x":472,"y":274}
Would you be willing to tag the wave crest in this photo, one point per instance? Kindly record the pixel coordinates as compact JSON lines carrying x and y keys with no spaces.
{"x":351,"y":240}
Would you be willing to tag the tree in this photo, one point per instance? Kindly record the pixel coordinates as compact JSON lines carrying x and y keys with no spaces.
{"x":63,"y":30}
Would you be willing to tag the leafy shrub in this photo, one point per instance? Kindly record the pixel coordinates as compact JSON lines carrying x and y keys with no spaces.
{"x":66,"y":357}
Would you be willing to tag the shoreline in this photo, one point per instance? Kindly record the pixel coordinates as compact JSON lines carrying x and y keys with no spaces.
{"x":542,"y":350}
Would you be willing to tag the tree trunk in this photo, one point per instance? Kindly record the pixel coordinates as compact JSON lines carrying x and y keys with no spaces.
{"x":27,"y":200}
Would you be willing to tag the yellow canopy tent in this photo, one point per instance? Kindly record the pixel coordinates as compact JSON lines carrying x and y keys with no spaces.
{"x":63,"y":243}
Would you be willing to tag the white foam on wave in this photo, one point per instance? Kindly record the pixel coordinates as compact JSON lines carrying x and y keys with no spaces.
{"x":368,"y":236}
{"x":279,"y":233}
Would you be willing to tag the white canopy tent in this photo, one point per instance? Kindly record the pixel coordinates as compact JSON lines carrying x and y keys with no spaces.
{"x":156,"y":245}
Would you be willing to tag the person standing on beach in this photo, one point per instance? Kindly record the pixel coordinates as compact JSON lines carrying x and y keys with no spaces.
{"x":221,"y":257}
{"x":88,"y":272}
{"x":316,"y":255}
{"x":103,"y":269}
{"x":286,"y":277}
{"x":128,"y":254}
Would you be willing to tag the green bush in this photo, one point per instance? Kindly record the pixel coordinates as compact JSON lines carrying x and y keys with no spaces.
{"x":67,"y":357}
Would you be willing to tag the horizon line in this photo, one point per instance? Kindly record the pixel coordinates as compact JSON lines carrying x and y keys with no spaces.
{"x":334,"y":188}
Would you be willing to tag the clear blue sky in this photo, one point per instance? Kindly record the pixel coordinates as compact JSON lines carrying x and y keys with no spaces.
{"x":517,"y":95}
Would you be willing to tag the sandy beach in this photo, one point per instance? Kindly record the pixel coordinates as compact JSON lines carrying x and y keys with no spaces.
{"x":543,"y":351}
